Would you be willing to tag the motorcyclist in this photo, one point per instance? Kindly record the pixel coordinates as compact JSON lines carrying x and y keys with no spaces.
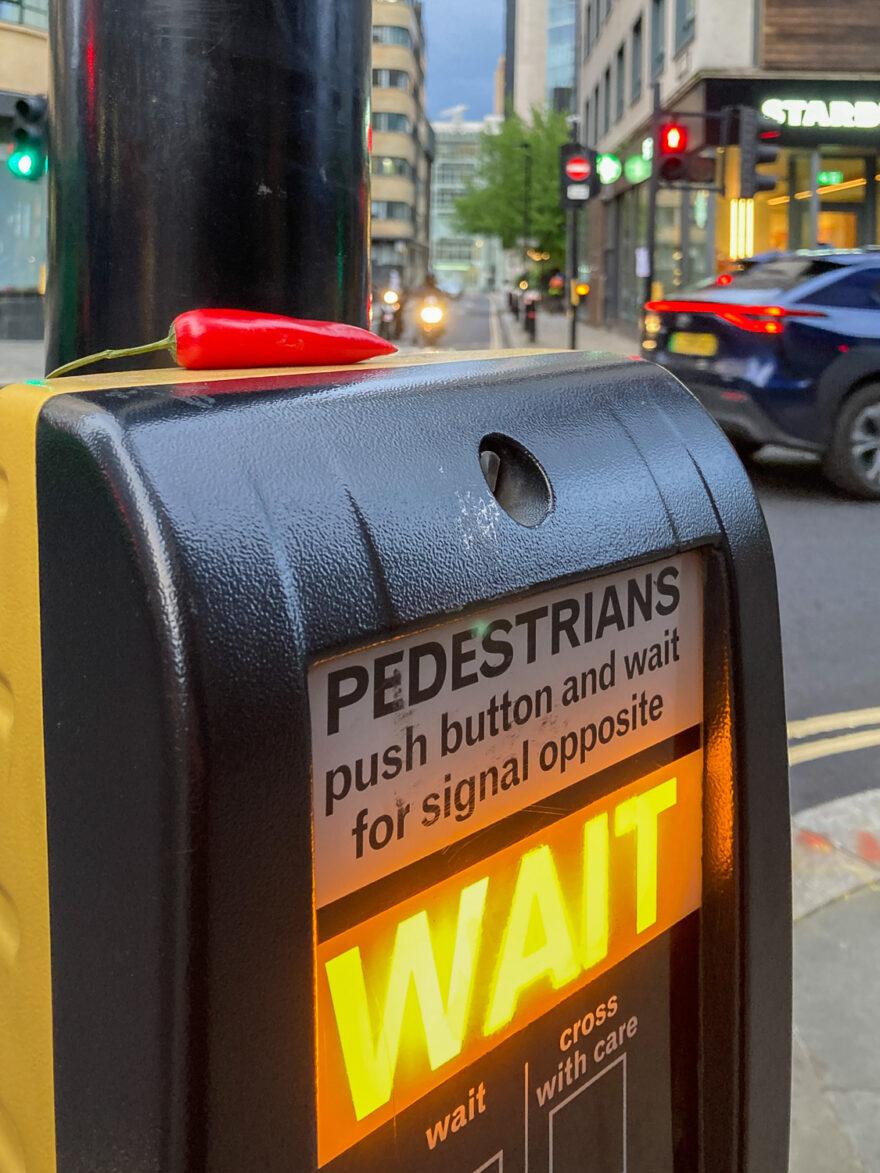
{"x":430,"y":288}
{"x":429,"y":293}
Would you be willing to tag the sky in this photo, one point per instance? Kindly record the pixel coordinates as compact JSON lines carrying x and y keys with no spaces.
{"x":464,"y":38}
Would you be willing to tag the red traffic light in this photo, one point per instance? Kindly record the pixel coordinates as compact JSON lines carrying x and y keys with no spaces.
{"x":673,"y":139}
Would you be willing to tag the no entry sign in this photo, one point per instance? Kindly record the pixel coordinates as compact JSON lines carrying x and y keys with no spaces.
{"x":578,"y":176}
{"x":578,"y":169}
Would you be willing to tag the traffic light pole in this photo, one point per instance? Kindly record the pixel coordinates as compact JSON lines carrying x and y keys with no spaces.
{"x":653,"y":188}
{"x":203,"y":159}
{"x":573,"y":217}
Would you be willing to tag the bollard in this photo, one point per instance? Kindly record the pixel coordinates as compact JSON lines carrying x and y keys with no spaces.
{"x":394,"y":775}
{"x":530,"y":317}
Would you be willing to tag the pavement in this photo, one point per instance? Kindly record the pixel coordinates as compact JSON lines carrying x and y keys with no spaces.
{"x":552,"y":330}
{"x":836,"y":909}
{"x":836,"y":891}
{"x":20,"y":361}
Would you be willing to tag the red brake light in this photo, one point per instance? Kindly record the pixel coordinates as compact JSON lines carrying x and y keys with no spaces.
{"x":724,"y":279}
{"x":756,"y":319}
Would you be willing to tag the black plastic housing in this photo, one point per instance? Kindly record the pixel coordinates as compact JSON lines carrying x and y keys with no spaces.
{"x":201,"y":543}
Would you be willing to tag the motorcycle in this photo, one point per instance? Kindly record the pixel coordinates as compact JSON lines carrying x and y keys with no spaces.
{"x":430,"y":321}
{"x":390,"y":317}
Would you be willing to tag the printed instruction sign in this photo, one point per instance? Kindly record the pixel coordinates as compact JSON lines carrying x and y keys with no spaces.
{"x":424,"y":740}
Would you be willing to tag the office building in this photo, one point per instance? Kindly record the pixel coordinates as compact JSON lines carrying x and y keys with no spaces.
{"x":539,"y":54}
{"x":458,"y":261}
{"x":402,"y":144}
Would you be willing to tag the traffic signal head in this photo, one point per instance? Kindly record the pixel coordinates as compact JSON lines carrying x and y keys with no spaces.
{"x":757,"y":146}
{"x":28,"y":158}
{"x":673,"y":140}
{"x":676,"y":165}
{"x":673,"y":146}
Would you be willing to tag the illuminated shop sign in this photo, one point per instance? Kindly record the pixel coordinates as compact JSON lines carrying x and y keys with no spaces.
{"x":814,"y":113}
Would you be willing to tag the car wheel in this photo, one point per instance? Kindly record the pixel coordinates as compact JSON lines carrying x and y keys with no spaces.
{"x":852,"y":461}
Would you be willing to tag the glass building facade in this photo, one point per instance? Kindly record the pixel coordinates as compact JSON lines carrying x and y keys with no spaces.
{"x":561,"y":26}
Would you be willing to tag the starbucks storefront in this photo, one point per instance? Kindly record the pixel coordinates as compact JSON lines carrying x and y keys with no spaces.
{"x":828,"y":166}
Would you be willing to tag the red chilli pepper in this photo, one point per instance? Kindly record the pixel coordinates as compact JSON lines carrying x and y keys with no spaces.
{"x":203,"y":340}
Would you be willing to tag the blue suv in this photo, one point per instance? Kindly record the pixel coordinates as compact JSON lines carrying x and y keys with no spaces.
{"x":785,"y":350}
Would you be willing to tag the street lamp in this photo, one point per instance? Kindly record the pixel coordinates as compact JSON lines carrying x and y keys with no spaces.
{"x":527,"y":191}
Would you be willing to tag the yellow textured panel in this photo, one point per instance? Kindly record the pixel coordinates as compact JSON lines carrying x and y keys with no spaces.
{"x":27,"y":1118}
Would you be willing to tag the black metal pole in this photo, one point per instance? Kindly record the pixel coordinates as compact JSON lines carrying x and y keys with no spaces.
{"x":527,"y":195}
{"x":208,"y":153}
{"x":525,"y":230}
{"x":572,"y":276}
{"x":653,"y":188}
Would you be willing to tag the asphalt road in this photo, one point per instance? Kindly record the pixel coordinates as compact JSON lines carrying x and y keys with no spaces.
{"x":468,"y":324}
{"x":827,"y":551}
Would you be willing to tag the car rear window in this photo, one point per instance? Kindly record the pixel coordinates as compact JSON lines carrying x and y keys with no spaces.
{"x":781,"y":273}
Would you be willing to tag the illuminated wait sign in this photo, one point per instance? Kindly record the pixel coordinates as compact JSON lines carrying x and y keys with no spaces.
{"x":505,"y":805}
{"x":424,"y":988}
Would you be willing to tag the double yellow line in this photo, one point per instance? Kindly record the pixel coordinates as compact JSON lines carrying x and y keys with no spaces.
{"x":806,"y":743}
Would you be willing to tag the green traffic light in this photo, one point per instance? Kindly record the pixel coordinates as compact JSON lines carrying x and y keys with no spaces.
{"x":24,"y":164}
{"x":609,"y":168}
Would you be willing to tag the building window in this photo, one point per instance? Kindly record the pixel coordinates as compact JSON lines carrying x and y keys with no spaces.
{"x":391,"y":165}
{"x":444,"y":197}
{"x":685,"y":20}
{"x":595,"y":114}
{"x":391,"y":79}
{"x":23,"y":216}
{"x":588,"y":31}
{"x":453,"y":249}
{"x":606,"y":101}
{"x":658,"y":36}
{"x":31,"y":12}
{"x":620,"y":83}
{"x":452,"y":174}
{"x":391,"y":34}
{"x":607,"y":8}
{"x":636,"y":62}
{"x":392,"y":210}
{"x":388,"y":252}
{"x":587,"y":112}
{"x":385,"y":120}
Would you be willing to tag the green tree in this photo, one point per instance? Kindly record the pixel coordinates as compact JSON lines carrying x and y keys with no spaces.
{"x":519,"y":165}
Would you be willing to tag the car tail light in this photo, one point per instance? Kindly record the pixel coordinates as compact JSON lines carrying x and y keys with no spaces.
{"x":756,"y":319}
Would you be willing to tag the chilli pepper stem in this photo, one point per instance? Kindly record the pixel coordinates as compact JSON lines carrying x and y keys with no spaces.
{"x":149,"y":347}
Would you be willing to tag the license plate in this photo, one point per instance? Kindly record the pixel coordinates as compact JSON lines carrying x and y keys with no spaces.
{"x":702,"y":344}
